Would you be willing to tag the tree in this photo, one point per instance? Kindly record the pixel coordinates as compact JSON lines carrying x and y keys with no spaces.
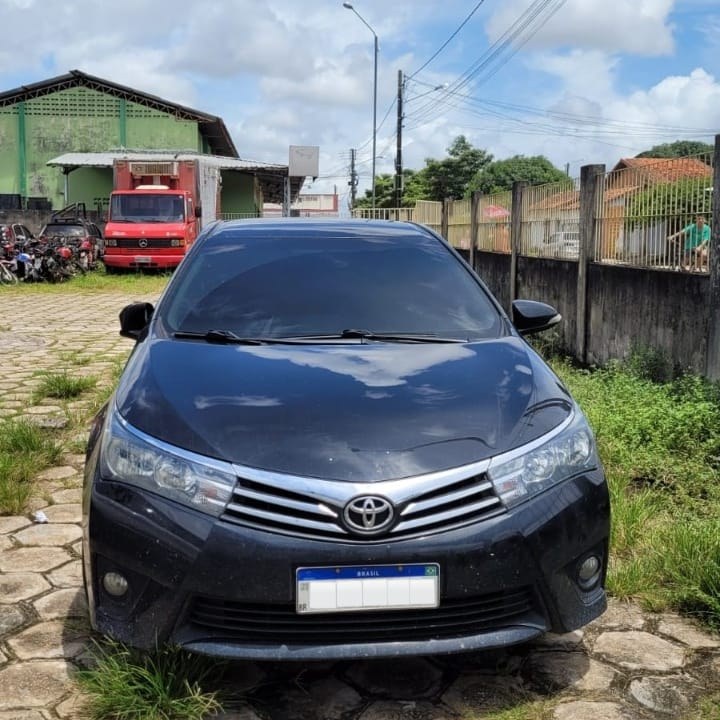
{"x":679,"y":148}
{"x":449,"y":178}
{"x":384,"y":193}
{"x":500,"y":175}
{"x":676,"y":203}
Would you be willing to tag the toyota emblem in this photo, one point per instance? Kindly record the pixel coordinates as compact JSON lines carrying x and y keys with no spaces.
{"x":368,"y":515}
{"x":142,"y":243}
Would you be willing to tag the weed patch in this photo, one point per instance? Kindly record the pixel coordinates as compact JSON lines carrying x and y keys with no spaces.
{"x":25,"y":450}
{"x":62,"y":386}
{"x":166,"y":684}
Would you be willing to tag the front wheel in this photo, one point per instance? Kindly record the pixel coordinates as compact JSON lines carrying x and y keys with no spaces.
{"x":7,"y":276}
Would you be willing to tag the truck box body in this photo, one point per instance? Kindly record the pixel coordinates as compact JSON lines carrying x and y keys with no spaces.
{"x":157,"y":209}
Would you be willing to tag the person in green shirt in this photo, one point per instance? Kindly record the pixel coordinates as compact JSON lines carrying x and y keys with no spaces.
{"x":697,"y":240}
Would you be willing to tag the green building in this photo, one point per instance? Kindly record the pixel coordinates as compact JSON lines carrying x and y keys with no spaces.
{"x":80,"y":116}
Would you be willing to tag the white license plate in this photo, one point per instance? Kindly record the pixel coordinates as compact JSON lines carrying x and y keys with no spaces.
{"x":143,"y":259}
{"x":367,"y":587}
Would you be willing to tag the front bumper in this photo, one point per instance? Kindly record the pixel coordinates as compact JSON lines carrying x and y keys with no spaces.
{"x":149,"y":259}
{"x":225,"y":589}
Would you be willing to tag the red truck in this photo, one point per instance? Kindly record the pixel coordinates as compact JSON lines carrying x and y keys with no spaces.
{"x":155,"y":212}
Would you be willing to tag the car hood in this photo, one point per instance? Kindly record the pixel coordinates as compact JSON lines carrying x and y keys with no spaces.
{"x":348,"y":411}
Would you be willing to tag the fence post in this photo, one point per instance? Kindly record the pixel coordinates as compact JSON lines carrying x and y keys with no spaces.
{"x":712,"y":357}
{"x":515,"y":236}
{"x":592,"y":182}
{"x":444,"y":219}
{"x":474,"y":225}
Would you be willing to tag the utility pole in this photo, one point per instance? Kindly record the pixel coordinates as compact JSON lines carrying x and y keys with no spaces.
{"x":398,"y":152}
{"x":353,"y":179}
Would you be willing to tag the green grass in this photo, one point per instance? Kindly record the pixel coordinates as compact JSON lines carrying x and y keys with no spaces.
{"x":163,"y":685}
{"x":62,"y":386}
{"x":25,"y":450}
{"x":660,"y":446}
{"x":142,"y":284}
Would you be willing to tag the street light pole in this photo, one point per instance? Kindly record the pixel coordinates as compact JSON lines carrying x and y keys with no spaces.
{"x":349,"y":6}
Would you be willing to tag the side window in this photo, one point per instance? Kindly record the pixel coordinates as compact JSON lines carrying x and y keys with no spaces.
{"x":19,"y":232}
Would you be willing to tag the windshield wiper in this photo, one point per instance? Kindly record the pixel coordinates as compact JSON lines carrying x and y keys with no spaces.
{"x":350,"y":333}
{"x":220,"y":336}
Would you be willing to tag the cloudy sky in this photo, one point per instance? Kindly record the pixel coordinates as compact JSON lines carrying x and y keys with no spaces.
{"x":580,"y":81}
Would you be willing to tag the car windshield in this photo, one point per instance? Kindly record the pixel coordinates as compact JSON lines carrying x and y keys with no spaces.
{"x":147,"y":207}
{"x":64,"y":231}
{"x":293,"y":284}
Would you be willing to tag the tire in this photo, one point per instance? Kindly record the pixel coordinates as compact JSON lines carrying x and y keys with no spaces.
{"x":7,"y":277}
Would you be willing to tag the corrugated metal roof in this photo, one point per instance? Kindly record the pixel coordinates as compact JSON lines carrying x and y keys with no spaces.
{"x":106,"y":159}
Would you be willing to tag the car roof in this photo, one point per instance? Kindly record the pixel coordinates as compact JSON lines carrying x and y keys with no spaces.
{"x":328,"y":227}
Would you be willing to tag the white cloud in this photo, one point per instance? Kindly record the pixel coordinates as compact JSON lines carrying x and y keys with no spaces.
{"x":634,"y":26}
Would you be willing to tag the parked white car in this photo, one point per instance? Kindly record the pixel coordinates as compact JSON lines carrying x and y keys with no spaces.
{"x":563,"y":244}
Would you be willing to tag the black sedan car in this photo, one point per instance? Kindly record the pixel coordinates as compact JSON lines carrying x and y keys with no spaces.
{"x":331,"y":442}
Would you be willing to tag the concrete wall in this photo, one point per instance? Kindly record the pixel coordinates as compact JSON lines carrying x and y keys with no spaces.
{"x":553,"y":282}
{"x":664,"y":310}
{"x":494,"y":269}
{"x":628,"y":308}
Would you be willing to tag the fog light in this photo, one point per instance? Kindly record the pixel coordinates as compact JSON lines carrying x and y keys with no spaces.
{"x":589,"y":572}
{"x":115,"y":584}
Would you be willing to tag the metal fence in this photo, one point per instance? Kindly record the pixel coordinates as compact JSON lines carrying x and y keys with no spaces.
{"x":655,"y":213}
{"x":237,"y":216}
{"x":493,"y":222}
{"x":403,"y":214}
{"x":649,"y":213}
{"x":429,"y":212}
{"x":550,"y":220}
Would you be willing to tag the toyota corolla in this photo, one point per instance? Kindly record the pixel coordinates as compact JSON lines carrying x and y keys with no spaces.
{"x":330,"y":441}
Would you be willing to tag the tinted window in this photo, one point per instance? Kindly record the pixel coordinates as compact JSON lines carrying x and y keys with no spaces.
{"x":64,"y":230}
{"x":275,"y":286}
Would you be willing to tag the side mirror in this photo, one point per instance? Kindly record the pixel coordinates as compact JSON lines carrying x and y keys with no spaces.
{"x":134,"y":318}
{"x":198,"y":211}
{"x":531,"y":317}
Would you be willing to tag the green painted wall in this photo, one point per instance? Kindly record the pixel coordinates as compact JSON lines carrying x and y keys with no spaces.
{"x":79,"y":120}
{"x":91,"y":186}
{"x":238,"y":193}
{"x":9,"y":159}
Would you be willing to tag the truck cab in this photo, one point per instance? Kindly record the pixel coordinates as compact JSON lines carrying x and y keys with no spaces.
{"x":153,"y":216}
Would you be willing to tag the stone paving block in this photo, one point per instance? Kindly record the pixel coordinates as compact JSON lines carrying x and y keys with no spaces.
{"x":328,"y":699}
{"x":12,"y":617}
{"x":553,"y":671}
{"x":65,"y":513}
{"x":618,"y":615}
{"x":637,"y":650}
{"x":241,"y":713}
{"x":5,"y":542}
{"x":472,"y":695}
{"x":66,"y":576}
{"x":21,"y":586}
{"x":76,"y":460}
{"x":580,"y":710}
{"x":49,"y":534}
{"x":11,"y":523}
{"x":73,"y":707}
{"x":33,"y":684}
{"x":58,"y":473}
{"x":71,"y":495}
{"x":406,"y":711}
{"x":571,"y":641}
{"x":34,"y":559}
{"x":66,"y":603}
{"x":21,"y":715}
{"x":686,"y":633}
{"x":666,"y":695}
{"x":399,"y":678}
{"x":53,"y":639}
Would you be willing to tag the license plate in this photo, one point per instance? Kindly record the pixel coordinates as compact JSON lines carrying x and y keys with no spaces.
{"x":143,"y":259}
{"x":367,"y":587}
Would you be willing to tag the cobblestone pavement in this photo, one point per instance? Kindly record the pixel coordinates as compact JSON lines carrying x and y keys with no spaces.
{"x":627,"y":665}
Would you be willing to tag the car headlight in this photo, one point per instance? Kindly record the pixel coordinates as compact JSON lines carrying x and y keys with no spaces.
{"x":130,"y":456}
{"x":523,"y":473}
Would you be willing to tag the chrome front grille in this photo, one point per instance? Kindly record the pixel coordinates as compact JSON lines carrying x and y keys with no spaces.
{"x":310,"y":507}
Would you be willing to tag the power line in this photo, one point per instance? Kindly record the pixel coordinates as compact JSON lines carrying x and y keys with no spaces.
{"x":445,"y":44}
{"x":495,"y":51}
